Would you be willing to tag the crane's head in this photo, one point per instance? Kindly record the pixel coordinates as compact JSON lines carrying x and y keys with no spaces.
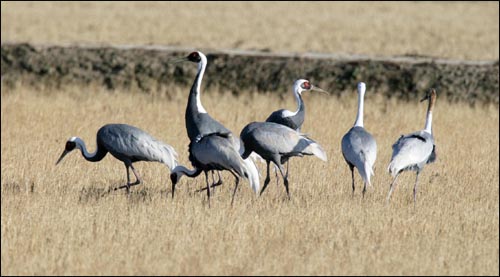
{"x":304,"y":85}
{"x":71,"y":145}
{"x":195,"y":57}
{"x":361,"y":87}
{"x":431,"y":95}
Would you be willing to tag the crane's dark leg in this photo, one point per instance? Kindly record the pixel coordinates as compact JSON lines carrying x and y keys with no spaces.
{"x":393,"y":185}
{"x":285,"y":180}
{"x":214,"y":184}
{"x":415,"y":190}
{"x":208,"y":188}
{"x":266,"y":182}
{"x":137,"y":177}
{"x":364,"y":190}
{"x":352,"y":175}
{"x":235,"y":185}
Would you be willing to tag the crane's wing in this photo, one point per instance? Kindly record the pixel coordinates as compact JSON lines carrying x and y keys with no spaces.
{"x":411,"y":151}
{"x":360,"y":149}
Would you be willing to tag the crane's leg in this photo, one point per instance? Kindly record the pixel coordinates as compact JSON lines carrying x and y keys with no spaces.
{"x":266,"y":182}
{"x":235,"y":185}
{"x":415,"y":190}
{"x":393,"y":185}
{"x":285,"y":180}
{"x":364,"y":190}
{"x":352,"y":175}
{"x":208,"y":188}
{"x":214,"y":184}
{"x":137,"y":177}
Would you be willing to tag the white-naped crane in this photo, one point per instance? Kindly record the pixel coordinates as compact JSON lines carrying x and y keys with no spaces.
{"x":415,"y":150}
{"x":128,"y":144}
{"x":212,"y":146}
{"x":295,"y":119}
{"x":359,"y":148}
{"x":277,"y":143}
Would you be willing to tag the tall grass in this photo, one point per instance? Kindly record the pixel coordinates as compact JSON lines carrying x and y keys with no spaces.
{"x":66,"y":220}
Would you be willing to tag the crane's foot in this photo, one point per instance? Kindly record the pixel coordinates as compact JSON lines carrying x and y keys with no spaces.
{"x":128,"y":186}
{"x":213,"y":185}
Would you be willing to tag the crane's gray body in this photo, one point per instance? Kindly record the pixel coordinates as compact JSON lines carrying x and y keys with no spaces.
{"x":214,"y":152}
{"x":275,"y":142}
{"x":294,"y":121}
{"x":360,"y":150}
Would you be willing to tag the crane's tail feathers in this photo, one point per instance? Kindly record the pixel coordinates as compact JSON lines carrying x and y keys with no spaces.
{"x":252,"y":174}
{"x":368,"y":172}
{"x":316,"y":149}
{"x":392,"y":168}
{"x":169,"y":156}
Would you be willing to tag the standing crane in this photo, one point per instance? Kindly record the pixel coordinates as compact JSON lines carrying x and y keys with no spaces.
{"x":295,"y":119}
{"x":415,"y":150}
{"x":128,"y":144}
{"x":277,"y":143}
{"x":358,"y":146}
{"x":208,"y":136}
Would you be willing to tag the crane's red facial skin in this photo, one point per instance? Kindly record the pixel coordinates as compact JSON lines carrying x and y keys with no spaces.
{"x":306,"y":85}
{"x":194,"y":57}
{"x":70,"y":145}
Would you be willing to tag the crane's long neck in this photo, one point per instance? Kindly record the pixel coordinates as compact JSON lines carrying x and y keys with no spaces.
{"x":428,"y":120}
{"x":91,"y":157}
{"x":194,"y":102}
{"x":300,"y":103}
{"x":361,"y":102}
{"x":182,"y":170}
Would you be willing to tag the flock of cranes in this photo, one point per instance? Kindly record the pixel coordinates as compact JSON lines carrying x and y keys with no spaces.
{"x":214,"y":148}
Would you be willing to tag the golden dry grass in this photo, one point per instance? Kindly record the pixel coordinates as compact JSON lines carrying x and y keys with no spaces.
{"x":62,"y":220}
{"x":458,"y":30}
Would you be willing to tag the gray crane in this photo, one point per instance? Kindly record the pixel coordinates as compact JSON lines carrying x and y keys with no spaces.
{"x":210,"y":138}
{"x":128,"y":144}
{"x":277,"y":143}
{"x":415,"y":150}
{"x":358,"y":146}
{"x":295,"y":119}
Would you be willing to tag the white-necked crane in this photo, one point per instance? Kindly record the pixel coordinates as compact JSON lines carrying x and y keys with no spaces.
{"x":415,"y":150}
{"x":128,"y":144}
{"x":212,"y":146}
{"x":358,"y":146}
{"x":295,"y":119}
{"x":277,"y":143}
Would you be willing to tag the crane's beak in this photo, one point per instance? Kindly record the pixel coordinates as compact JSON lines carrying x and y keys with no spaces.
{"x":178,"y":60}
{"x":425,"y":98}
{"x":62,"y":156}
{"x":319,"y":89}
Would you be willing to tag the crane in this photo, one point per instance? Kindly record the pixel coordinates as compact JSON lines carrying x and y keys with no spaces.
{"x":413,"y":151}
{"x":128,"y":144}
{"x":277,"y":143}
{"x":209,"y":136}
{"x":358,"y":146}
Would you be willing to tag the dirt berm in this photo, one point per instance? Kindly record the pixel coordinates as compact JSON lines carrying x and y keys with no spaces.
{"x":148,"y":69}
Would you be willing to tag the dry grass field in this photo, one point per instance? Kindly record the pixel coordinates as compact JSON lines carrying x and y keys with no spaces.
{"x":63,"y":220}
{"x":456,"y":30}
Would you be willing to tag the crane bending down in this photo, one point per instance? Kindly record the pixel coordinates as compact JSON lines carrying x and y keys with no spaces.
{"x":413,"y":151}
{"x":208,"y":136}
{"x":277,"y":143}
{"x":359,"y":148}
{"x":128,"y":144}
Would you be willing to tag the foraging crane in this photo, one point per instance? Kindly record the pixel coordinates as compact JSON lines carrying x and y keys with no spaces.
{"x":128,"y":144}
{"x":277,"y":143}
{"x":358,"y":146}
{"x":415,"y":150}
{"x":208,"y":136}
{"x":295,"y":119}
